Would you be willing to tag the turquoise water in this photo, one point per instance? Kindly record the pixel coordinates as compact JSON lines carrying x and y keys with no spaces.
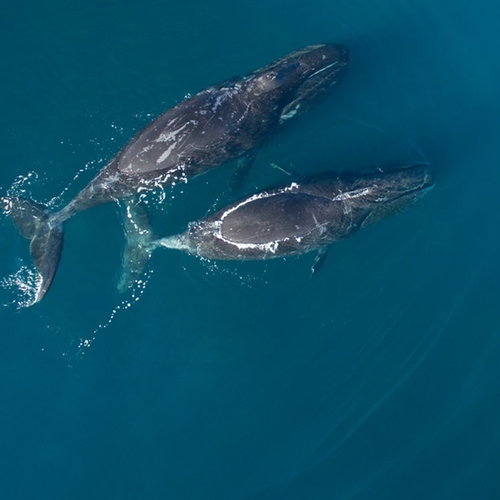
{"x":377,"y":379}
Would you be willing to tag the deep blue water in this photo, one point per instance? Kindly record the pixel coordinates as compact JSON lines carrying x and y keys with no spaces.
{"x":378,"y":379}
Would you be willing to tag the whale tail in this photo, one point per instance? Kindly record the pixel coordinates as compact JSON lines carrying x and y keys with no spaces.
{"x":46,"y":234}
{"x":138,"y":247}
{"x":141,"y":242}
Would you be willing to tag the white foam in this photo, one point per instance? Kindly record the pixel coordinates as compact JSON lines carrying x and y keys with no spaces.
{"x":24,"y":284}
{"x":270,"y":247}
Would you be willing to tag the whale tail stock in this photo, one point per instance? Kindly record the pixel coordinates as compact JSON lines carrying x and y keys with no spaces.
{"x":46,"y":234}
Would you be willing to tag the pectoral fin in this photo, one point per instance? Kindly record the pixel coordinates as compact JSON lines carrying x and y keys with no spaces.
{"x":319,"y":261}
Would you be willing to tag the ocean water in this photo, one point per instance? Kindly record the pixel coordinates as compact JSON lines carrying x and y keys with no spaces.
{"x":377,"y":379}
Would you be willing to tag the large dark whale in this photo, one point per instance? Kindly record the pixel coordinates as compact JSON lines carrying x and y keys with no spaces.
{"x":219,"y":123}
{"x":298,"y":218}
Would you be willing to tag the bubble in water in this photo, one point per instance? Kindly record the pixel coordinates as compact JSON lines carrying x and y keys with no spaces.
{"x":215,"y":268}
{"x":23,"y":285}
{"x":21,"y":184}
{"x":58,"y":200}
{"x":136,"y":292}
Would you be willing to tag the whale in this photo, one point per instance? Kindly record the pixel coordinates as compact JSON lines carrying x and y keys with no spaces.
{"x":222,"y":122}
{"x":294,"y":219}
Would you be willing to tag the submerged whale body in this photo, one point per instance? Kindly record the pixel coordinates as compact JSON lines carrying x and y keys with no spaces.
{"x":300,"y":217}
{"x":219,"y":123}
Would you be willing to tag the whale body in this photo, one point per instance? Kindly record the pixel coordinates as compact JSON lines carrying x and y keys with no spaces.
{"x":297,"y":218}
{"x":220,"y":123}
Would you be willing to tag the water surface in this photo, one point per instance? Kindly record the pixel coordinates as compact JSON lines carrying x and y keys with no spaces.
{"x":377,"y":379}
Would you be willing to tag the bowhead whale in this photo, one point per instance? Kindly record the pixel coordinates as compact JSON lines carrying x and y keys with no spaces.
{"x":220,"y":123}
{"x":295,"y":219}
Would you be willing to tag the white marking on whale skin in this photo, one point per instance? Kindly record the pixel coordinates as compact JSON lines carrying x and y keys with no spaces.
{"x":146,"y":148}
{"x":168,"y":136}
{"x":172,"y":136}
{"x":166,"y":153}
{"x":244,"y":114}
{"x":112,"y":179}
{"x":224,"y":94}
{"x":218,"y":101}
{"x":322,"y":69}
{"x":172,"y":121}
{"x":352,"y":194}
{"x":320,"y":227}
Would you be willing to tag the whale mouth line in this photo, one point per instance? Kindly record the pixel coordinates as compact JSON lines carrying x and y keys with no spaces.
{"x":322,"y":69}
{"x":420,"y":190}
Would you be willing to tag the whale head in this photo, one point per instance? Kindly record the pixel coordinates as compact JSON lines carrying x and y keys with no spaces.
{"x":323,"y":66}
{"x":387,"y":192}
{"x":299,"y":77}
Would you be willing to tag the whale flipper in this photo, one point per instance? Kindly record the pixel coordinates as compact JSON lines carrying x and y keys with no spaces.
{"x":319,"y":261}
{"x":138,"y":249}
{"x":45,"y":233}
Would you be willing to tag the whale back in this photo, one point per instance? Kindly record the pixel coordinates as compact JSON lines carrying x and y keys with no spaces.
{"x":274,"y":218}
{"x":186,"y":134}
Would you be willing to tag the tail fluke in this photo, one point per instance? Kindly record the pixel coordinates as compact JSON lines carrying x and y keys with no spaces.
{"x":138,"y":246}
{"x":45,"y":233}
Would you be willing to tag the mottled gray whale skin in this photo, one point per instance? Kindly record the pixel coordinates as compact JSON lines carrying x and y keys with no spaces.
{"x":303,"y":216}
{"x":217,"y":124}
